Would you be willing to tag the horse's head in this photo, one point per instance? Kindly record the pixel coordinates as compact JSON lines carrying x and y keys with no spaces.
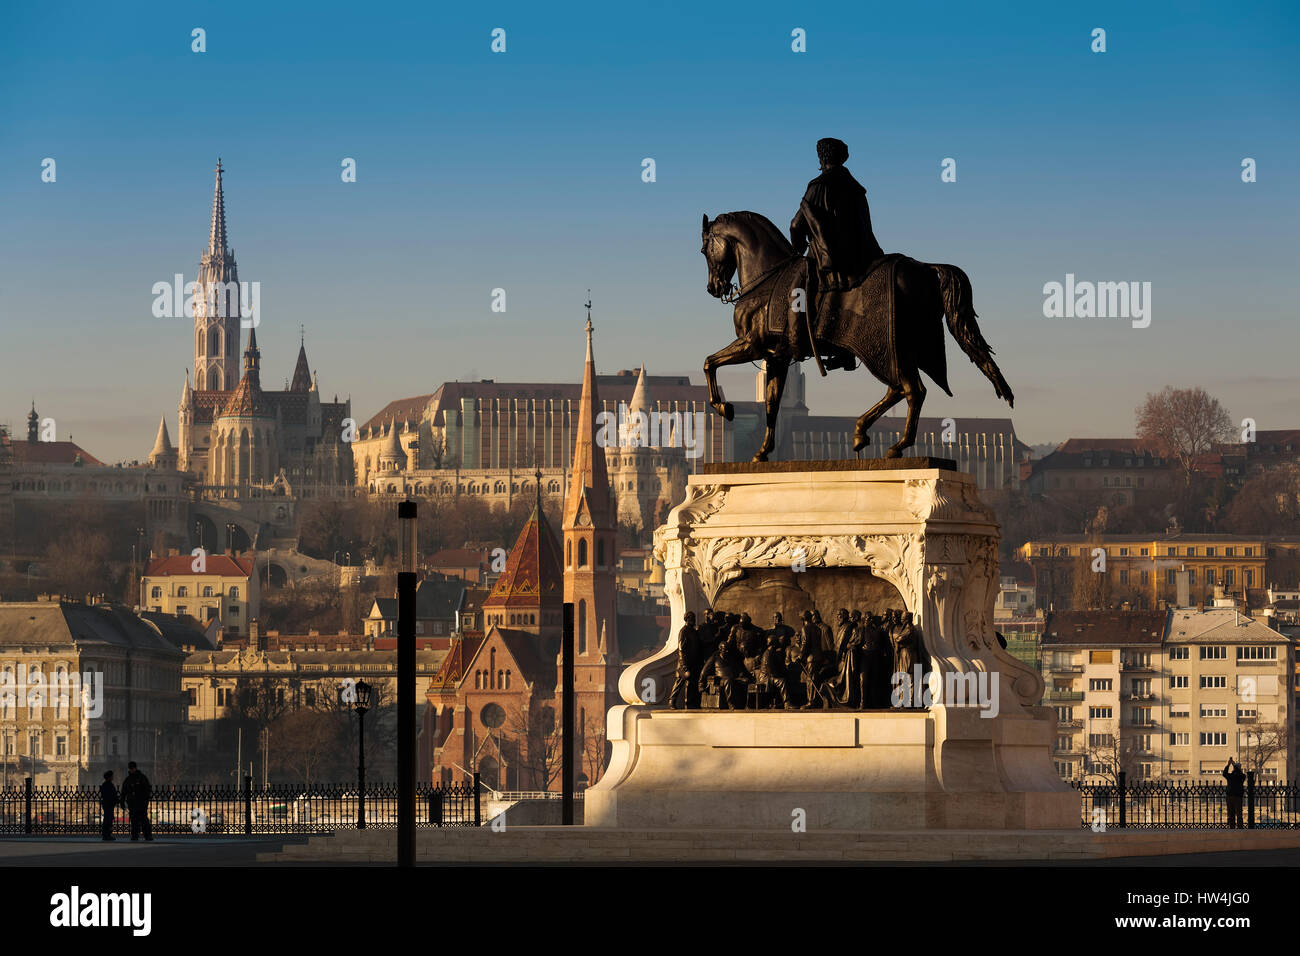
{"x":720,"y":254}
{"x":739,"y":246}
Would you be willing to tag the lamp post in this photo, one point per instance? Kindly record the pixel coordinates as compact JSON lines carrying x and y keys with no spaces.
{"x":406,"y":513}
{"x":361,"y":706}
{"x":230,"y":536}
{"x":198,"y":533}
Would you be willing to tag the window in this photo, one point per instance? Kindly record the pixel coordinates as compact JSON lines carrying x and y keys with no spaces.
{"x":1065,"y":714}
{"x":193,"y":695}
{"x":1214,"y":739}
{"x":1101,"y":740}
{"x":234,"y":593}
{"x":1100,"y":657}
{"x":1179,"y":740}
{"x":1254,"y":653}
{"x":182,"y":591}
{"x":1209,"y":552}
{"x":207,"y":590}
{"x":155,"y":592}
{"x":1227,"y":577}
{"x":1179,"y":653}
{"x":1214,"y":653}
{"x":61,"y":745}
{"x":1100,"y":713}
{"x":1178,"y":681}
{"x":1100,"y":683}
{"x":1213,"y":680}
{"x":1123,"y":576}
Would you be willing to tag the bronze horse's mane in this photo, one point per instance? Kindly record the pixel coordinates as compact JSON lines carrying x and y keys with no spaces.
{"x":759,"y":223}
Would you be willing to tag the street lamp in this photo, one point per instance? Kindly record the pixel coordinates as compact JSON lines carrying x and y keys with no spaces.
{"x":230,"y":536}
{"x":406,"y":581}
{"x":361,"y":706}
{"x":198,"y":532}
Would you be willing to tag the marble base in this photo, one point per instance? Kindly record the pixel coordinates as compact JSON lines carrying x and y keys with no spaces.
{"x":792,"y":536}
{"x":891,"y":770}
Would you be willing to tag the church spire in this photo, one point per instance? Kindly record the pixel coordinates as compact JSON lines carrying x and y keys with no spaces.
{"x":589,"y":481}
{"x":217,"y":232}
{"x":301,"y":373}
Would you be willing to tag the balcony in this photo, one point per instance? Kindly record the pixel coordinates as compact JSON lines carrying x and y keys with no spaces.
{"x":1065,"y":668}
{"x":1063,"y":697}
{"x":1144,"y":724}
{"x":1133,"y":667}
{"x":1069,"y":725}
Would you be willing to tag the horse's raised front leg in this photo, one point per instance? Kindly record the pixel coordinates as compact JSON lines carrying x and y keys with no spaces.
{"x":775,"y":385}
{"x":914,"y":389}
{"x":735,"y":353}
{"x":860,"y":437}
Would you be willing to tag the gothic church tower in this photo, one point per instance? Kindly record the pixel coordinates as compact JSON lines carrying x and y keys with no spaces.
{"x":217,"y":306}
{"x":590,"y":557}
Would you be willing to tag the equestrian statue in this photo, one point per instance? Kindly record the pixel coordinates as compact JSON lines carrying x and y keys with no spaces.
{"x":846,"y":302}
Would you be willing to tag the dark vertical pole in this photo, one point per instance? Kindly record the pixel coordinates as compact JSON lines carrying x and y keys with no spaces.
{"x":1123,"y":815}
{"x":248,"y":804}
{"x":406,"y":512}
{"x":478,"y":815}
{"x":27,"y":805}
{"x":569,"y":719}
{"x":361,"y":769}
{"x":1250,"y":799}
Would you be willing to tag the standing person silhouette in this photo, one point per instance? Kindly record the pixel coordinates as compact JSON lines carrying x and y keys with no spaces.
{"x":135,"y":794}
{"x":108,"y":800}
{"x":1236,"y":790}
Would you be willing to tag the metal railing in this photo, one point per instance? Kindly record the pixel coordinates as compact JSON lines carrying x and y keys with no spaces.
{"x":1168,"y":805}
{"x":226,"y":810}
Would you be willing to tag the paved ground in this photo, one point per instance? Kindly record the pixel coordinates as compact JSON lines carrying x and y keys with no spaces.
{"x":182,"y":851}
{"x":227,"y":851}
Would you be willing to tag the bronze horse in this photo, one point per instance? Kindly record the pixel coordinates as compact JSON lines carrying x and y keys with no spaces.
{"x":890,"y":322}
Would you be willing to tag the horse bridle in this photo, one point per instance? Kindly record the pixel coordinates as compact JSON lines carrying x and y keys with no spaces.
{"x":734,"y":294}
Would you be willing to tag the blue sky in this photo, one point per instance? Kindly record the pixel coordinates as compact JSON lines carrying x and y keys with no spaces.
{"x":522,"y":171}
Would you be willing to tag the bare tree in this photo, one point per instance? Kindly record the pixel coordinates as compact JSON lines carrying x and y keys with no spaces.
{"x":595,"y":754}
{"x":1105,"y":754}
{"x":309,"y":744}
{"x":540,"y":742}
{"x":1268,"y":503}
{"x":1263,"y":743}
{"x":1185,"y":422}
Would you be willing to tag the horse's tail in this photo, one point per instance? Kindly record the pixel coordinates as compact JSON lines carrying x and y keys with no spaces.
{"x":954,"y":285}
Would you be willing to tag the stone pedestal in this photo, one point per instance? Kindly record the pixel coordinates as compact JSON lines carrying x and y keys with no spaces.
{"x":909,"y":533}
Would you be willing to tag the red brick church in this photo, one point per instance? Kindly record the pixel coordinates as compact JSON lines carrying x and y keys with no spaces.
{"x":494,"y":705}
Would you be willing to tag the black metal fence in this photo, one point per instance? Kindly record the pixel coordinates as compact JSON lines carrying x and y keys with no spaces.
{"x":225,"y":810}
{"x":1169,"y":805}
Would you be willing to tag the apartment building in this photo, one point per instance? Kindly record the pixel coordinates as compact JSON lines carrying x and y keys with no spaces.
{"x":1168,"y":694}
{"x":219,"y":587}
{"x":1143,"y":569}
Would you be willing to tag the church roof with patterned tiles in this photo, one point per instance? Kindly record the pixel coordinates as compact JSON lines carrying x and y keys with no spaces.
{"x":533,"y":573}
{"x":292,"y":407}
{"x":452,"y":670}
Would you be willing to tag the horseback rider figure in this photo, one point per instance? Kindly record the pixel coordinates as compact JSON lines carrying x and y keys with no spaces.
{"x":833,"y":225}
